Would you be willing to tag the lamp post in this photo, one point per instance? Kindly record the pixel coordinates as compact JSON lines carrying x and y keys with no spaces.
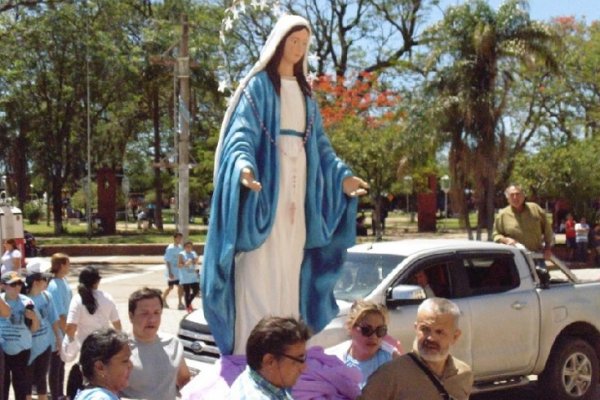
{"x":3,"y":190}
{"x":408,"y":187}
{"x":445,"y":184}
{"x":125,"y":188}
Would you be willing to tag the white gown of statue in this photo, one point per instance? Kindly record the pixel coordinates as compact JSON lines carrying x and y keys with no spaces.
{"x":276,"y":264}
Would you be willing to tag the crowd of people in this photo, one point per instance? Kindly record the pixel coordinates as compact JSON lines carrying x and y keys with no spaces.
{"x":278,"y":358}
{"x":43,"y":326}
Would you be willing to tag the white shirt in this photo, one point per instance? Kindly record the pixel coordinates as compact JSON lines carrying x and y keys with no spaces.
{"x":86,"y":322}
{"x":581,"y":232}
{"x":8,"y":263}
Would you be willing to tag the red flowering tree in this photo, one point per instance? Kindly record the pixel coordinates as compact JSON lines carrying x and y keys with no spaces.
{"x":362,"y":119}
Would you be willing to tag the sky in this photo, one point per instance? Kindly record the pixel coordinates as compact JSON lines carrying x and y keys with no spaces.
{"x":547,"y":9}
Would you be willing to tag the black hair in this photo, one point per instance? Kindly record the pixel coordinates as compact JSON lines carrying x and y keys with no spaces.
{"x":88,"y":278}
{"x":100,"y":345}
{"x":273,"y":335}
{"x":273,"y":65}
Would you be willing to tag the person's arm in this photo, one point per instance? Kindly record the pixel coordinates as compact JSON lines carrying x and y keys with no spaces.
{"x":62,"y":322}
{"x":33,"y":317}
{"x":170,"y":270}
{"x":117,"y":325}
{"x":4,"y":308}
{"x":498,"y":235}
{"x":70,"y":330}
{"x":57,"y":334}
{"x":181,"y":262}
{"x":183,"y":374}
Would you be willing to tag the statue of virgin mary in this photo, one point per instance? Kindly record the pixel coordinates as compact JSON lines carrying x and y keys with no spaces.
{"x":284,"y":205}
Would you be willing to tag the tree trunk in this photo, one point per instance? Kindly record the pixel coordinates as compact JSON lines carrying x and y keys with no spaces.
{"x":57,"y":205}
{"x":19,"y":165}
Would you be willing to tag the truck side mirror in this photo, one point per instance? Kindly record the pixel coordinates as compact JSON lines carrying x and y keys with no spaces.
{"x":543,"y":276}
{"x":402,"y":295}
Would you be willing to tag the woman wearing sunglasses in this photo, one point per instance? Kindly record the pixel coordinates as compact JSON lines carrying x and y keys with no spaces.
{"x":367,"y":348}
{"x":16,"y":330}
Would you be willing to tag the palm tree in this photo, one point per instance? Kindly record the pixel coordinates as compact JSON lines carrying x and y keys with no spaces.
{"x":474,"y":52}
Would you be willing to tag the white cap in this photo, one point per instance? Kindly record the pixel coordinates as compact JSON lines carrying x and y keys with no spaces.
{"x":38,"y":265}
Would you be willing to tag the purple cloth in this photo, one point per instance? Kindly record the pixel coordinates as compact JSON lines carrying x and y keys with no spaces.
{"x":326,"y":377}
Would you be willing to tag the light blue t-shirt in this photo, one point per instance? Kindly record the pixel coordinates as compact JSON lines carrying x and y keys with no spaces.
{"x":188,"y":274}
{"x":96,"y":393}
{"x":172,"y":257}
{"x":16,"y":335}
{"x":61,"y":295}
{"x":44,"y":336}
{"x":369,"y":366}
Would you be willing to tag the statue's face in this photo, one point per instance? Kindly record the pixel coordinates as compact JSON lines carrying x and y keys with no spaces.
{"x":295,"y":47}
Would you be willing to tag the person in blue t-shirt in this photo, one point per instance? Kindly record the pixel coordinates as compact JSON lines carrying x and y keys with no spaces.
{"x":17,"y":332}
{"x":61,"y":295}
{"x":47,"y":338}
{"x":4,"y":313}
{"x":189,"y":274}
{"x":172,"y":272}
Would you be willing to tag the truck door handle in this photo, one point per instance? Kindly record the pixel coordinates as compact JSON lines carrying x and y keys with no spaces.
{"x":517,"y":305}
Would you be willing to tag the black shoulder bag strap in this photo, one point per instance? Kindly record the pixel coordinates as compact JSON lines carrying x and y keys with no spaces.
{"x":434,"y":379}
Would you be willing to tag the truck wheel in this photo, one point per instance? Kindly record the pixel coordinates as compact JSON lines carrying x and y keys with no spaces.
{"x":571,"y":372}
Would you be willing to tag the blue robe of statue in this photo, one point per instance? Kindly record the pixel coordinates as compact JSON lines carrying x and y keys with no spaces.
{"x":241,"y":219}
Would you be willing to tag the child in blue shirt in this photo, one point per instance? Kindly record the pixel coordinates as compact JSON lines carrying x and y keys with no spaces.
{"x":189,"y":274}
{"x":16,"y":333}
{"x":46,"y":338}
{"x":172,"y":272}
{"x":61,"y":295}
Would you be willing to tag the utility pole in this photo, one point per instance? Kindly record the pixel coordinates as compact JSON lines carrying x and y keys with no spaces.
{"x":183,"y":63}
{"x":182,"y":136}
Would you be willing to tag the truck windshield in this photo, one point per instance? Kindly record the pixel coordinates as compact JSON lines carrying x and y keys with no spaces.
{"x":362,"y":273}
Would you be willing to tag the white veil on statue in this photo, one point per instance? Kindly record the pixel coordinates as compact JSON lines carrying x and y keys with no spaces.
{"x":282,"y":27}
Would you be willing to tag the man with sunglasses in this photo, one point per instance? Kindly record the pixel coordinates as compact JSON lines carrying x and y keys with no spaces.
{"x":276,"y":355}
{"x":429,"y":371}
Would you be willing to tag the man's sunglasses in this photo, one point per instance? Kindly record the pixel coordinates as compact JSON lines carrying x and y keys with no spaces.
{"x":368,"y":330}
{"x":299,"y":360}
{"x":15,"y":284}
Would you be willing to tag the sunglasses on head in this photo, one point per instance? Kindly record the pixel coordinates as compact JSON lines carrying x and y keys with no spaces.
{"x":368,"y":330}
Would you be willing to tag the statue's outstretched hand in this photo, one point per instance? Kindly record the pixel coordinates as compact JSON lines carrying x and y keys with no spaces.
{"x":247,"y":179}
{"x":354,"y":186}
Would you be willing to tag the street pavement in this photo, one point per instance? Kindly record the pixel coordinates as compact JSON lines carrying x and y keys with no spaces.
{"x":121,"y":275}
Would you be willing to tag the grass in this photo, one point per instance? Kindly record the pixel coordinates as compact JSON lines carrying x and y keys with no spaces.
{"x":398,"y":223}
{"x":77,"y":234}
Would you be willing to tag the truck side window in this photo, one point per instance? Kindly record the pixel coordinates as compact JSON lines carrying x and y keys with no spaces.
{"x":433,"y":279}
{"x":489,"y":275}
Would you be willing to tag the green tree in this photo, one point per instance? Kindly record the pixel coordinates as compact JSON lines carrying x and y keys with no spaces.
{"x":565,"y":172}
{"x":475,"y":52}
{"x":53,"y":51}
